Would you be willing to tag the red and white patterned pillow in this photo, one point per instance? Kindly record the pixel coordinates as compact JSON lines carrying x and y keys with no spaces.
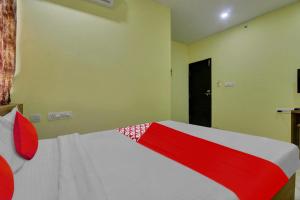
{"x":134,"y":132}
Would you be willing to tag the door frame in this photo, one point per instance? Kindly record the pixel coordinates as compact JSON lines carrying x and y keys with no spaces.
{"x":211,"y":97}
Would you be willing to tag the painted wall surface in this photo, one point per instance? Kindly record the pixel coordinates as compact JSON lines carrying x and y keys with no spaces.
{"x":179,"y":61}
{"x":262,"y":60}
{"x":110,"y":66}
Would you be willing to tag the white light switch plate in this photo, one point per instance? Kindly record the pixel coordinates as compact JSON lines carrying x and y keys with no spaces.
{"x":35,"y":118}
{"x":229,"y":84}
{"x":52,"y":116}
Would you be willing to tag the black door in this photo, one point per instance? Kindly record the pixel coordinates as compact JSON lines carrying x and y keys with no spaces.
{"x":200,"y":93}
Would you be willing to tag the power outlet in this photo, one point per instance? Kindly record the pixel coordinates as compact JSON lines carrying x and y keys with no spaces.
{"x":35,"y":118}
{"x":52,"y":116}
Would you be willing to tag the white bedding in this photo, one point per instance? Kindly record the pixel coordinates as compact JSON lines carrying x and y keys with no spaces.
{"x":38,"y":178}
{"x":117,"y":168}
{"x":78,"y":178}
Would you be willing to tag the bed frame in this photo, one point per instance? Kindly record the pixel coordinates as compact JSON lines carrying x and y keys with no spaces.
{"x":286,"y":193}
{"x":7,"y":108}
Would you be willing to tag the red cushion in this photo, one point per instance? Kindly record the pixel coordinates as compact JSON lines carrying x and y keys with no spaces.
{"x":25,"y":137}
{"x":6,"y":180}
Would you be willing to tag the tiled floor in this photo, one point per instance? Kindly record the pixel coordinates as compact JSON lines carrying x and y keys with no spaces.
{"x":297,"y":196}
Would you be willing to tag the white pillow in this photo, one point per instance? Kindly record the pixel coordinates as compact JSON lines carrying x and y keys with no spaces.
{"x":7,"y":146}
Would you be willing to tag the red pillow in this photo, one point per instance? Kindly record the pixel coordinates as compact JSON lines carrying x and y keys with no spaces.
{"x":6,"y":180}
{"x":25,"y":137}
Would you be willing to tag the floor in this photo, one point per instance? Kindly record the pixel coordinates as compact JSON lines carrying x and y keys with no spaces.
{"x":297,"y":196}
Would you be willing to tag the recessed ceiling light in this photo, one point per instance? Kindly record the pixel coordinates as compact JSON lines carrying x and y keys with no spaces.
{"x":224,"y":15}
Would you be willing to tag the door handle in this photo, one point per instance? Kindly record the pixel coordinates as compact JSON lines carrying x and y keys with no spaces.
{"x":208,"y":93}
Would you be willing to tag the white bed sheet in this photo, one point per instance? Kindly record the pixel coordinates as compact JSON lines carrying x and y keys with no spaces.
{"x":129,"y":171}
{"x":38,"y":178}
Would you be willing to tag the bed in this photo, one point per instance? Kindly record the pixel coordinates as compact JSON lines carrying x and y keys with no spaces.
{"x":108,"y":165}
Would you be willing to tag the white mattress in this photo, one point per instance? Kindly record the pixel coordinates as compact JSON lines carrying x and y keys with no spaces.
{"x":130,"y":171}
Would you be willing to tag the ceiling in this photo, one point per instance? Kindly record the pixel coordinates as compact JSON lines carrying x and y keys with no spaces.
{"x":196,"y":19}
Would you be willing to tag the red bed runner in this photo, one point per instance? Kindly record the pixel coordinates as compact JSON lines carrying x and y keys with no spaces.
{"x":249,"y":177}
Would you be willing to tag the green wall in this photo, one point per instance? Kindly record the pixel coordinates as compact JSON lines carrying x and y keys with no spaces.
{"x":262,"y":60}
{"x":111,"y":67}
{"x":180,"y":60}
